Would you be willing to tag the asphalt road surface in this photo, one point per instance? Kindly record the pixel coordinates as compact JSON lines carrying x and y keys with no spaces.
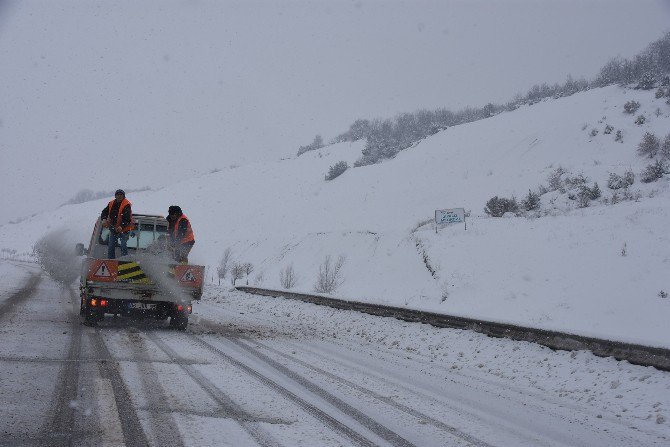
{"x":237,"y":379}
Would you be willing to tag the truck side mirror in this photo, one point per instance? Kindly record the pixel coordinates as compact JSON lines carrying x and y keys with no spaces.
{"x":79,"y":250}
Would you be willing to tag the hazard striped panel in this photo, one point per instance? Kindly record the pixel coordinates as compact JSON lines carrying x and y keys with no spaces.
{"x":130,"y":271}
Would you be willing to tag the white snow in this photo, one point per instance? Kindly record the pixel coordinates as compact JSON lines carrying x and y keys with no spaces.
{"x":601,"y":393}
{"x":562,"y":271}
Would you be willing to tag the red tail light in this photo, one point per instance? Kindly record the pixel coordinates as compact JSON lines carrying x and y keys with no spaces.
{"x":180,"y":308}
{"x":103,"y":303}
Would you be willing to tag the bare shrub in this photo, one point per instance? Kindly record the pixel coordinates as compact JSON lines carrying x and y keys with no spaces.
{"x":640,"y":120}
{"x":608,"y":129}
{"x":259,"y":278}
{"x":248,"y":268}
{"x":236,"y":272}
{"x":224,"y":264}
{"x":287,"y":277}
{"x":330,"y":275}
{"x":619,"y":136}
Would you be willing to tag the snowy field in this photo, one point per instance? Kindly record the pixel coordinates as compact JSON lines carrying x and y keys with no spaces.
{"x":595,"y":271}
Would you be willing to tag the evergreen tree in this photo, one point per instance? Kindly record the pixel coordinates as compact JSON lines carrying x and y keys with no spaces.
{"x":649,"y":146}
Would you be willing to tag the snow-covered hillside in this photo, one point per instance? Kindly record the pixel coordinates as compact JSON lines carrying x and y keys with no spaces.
{"x":564,"y":270}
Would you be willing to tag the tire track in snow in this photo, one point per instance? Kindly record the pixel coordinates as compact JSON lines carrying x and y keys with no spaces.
{"x":163,"y":424}
{"x":27,"y":290}
{"x":64,"y":406}
{"x":387,"y":400}
{"x":380,"y":430}
{"x":310,"y":409}
{"x":133,"y":435}
{"x":231,"y":409}
{"x":375,"y":427}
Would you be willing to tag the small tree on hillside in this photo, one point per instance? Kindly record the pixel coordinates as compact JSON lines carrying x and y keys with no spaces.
{"x":287,"y":277}
{"x":631,"y":107}
{"x":531,"y":202}
{"x":595,"y":193}
{"x":497,"y":206}
{"x":649,"y":146}
{"x":621,"y":181}
{"x":647,"y":81}
{"x":330,"y":275}
{"x":314,"y":145}
{"x":555,"y":179}
{"x":665,"y":148}
{"x":654,"y":171}
{"x":336,"y":170}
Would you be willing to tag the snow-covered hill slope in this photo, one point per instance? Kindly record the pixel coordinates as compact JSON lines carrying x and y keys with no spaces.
{"x":564,"y":270}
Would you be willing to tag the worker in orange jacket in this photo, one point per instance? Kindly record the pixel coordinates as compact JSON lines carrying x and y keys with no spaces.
{"x":118,"y":217}
{"x":180,"y":233}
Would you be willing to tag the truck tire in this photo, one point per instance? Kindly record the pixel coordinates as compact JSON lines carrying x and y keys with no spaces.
{"x":90,"y":318}
{"x":179,"y":321}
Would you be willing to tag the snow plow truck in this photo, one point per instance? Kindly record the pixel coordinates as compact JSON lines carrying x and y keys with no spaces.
{"x":146,"y":283}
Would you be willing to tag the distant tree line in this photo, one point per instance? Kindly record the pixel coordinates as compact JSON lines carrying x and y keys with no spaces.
{"x":386,"y":137}
{"x":87,"y":195}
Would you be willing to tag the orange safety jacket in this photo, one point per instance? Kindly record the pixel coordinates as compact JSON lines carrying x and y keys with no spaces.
{"x":188,"y":236}
{"x":116,"y":222}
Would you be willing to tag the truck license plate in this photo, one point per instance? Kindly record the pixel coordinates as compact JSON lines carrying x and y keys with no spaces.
{"x":143,"y":306}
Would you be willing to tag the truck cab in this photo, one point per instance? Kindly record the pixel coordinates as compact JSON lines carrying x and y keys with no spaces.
{"x":146,"y":283}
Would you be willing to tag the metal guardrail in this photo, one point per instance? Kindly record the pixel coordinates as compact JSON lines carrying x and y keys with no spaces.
{"x":636,"y":354}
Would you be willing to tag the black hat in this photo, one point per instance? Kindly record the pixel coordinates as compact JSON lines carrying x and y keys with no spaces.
{"x":120,"y":191}
{"x":174,"y":209}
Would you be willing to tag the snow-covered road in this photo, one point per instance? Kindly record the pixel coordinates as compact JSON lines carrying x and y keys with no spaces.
{"x":263,"y":371}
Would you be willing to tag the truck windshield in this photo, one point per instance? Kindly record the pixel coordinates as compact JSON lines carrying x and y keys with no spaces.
{"x":140,"y":238}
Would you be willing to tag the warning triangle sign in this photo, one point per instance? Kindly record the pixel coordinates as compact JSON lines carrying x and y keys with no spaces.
{"x":103,"y":271}
{"x":188,"y":276}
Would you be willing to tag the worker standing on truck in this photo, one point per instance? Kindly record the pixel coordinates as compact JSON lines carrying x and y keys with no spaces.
{"x":180,"y":233}
{"x":118,"y":217}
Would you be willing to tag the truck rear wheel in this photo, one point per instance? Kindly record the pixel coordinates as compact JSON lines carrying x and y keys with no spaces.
{"x":179,"y":321}
{"x":90,"y":318}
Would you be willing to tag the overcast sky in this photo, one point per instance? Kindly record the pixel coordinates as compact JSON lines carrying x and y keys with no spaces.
{"x":100,"y":95}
